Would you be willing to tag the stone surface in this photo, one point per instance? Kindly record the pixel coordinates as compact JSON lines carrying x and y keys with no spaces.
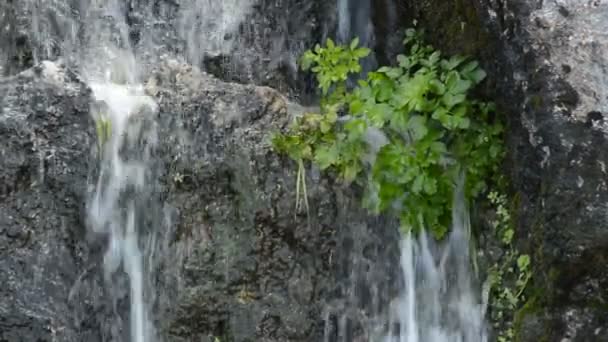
{"x":556,"y":54}
{"x":45,"y":133}
{"x":226,"y":253}
{"x":547,"y":68}
{"x":252,"y":268}
{"x":235,"y":255}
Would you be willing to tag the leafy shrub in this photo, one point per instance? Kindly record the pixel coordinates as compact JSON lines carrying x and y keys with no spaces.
{"x":427,"y":130}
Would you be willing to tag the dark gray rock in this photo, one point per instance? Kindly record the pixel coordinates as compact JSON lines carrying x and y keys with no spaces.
{"x":547,"y":65}
{"x":45,"y":134}
{"x":555,"y":57}
{"x":250,"y":267}
{"x":227,"y":253}
{"x":245,"y":41}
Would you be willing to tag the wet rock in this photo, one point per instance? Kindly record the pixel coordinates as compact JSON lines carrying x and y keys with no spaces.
{"x":45,"y":134}
{"x":547,"y":66}
{"x":556,"y":57}
{"x":251,"y":267}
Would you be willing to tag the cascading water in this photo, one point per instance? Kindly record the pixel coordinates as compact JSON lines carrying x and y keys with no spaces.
{"x":438,"y":301}
{"x":434,"y":299}
{"x":102,"y":52}
{"x":112,"y":209}
{"x":124,"y":170}
{"x":210,"y":26}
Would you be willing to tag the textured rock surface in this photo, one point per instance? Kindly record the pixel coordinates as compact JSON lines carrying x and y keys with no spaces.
{"x":45,"y":133}
{"x":255,"y":41}
{"x":556,"y":54}
{"x":252,"y":268}
{"x":227,"y":253}
{"x":236,"y":249}
{"x":247,"y":41}
{"x":547,"y":64}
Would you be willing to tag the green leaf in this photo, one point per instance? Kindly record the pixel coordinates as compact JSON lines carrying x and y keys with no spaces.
{"x":450,"y":100}
{"x":378,"y":113}
{"x":325,"y":126}
{"x":418,"y":184}
{"x":438,"y":147}
{"x":523,"y":262}
{"x":417,"y":127}
{"x":356,"y":106}
{"x":453,"y":62}
{"x":430,"y":186}
{"x":332,"y":115}
{"x":350,"y":172}
{"x":476,"y":76}
{"x":437,"y":87}
{"x":404,"y":61}
{"x":355,"y":128}
{"x":467,"y":68}
{"x":507,"y":236}
{"x":431,"y":130}
{"x":326,"y":156}
{"x":434,"y":57}
{"x":394,"y":73}
{"x":362,"y":52}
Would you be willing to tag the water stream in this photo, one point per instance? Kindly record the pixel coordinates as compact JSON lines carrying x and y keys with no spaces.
{"x":438,"y":301}
{"x":95,"y":38}
{"x":121,"y":183}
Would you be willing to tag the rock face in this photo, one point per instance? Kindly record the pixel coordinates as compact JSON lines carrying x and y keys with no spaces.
{"x":247,"y":41}
{"x":556,"y":54}
{"x":238,"y":262}
{"x":253,"y":268}
{"x":45,"y":134}
{"x":232,"y":258}
{"x":547,"y":64}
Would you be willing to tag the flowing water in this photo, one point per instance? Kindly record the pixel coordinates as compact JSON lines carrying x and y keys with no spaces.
{"x":438,"y":300}
{"x":112,"y":209}
{"x":94,"y":37}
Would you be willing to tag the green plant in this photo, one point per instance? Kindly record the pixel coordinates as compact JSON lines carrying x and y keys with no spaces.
{"x":509,"y":276}
{"x":432,"y":131}
{"x":103,"y":127}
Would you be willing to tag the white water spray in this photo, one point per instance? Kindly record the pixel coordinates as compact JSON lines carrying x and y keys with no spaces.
{"x":107,"y":212}
{"x":209,"y":27}
{"x":94,"y":37}
{"x":438,"y":302}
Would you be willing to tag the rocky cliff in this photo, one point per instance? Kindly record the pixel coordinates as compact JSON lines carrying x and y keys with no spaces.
{"x":236,"y":260}
{"x":547,"y":64}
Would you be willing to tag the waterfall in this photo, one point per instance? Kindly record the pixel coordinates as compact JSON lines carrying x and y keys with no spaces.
{"x":425,"y":293}
{"x":438,"y":302}
{"x":209,"y":27}
{"x":121,"y":184}
{"x":94,"y":37}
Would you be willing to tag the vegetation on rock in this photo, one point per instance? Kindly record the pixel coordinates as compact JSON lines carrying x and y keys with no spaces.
{"x":103,"y":128}
{"x":509,"y":276}
{"x":404,"y":133}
